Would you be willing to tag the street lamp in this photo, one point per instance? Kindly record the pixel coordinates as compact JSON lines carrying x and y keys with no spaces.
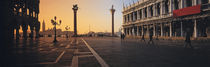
{"x":67,"y":28}
{"x":55,"y":23}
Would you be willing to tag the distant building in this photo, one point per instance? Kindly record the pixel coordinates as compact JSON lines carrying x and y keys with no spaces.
{"x":59,"y":32}
{"x":167,"y":18}
{"x":43,"y":26}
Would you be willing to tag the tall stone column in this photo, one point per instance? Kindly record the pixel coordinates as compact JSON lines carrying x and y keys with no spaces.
{"x":154,"y":30}
{"x":195,"y":28}
{"x":161,"y":29}
{"x":75,"y":8}
{"x":142,"y":30}
{"x":170,"y":26}
{"x":112,"y":12}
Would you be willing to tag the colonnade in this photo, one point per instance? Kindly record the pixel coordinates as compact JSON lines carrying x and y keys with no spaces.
{"x":24,"y":14}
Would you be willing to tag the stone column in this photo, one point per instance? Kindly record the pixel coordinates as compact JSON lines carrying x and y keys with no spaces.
{"x":142,"y":30}
{"x":195,"y":28}
{"x":171,"y":6}
{"x":161,"y":29}
{"x":181,"y":29}
{"x":194,"y":2}
{"x":138,"y":15}
{"x":154,"y":10}
{"x":170,"y":26}
{"x":32,"y":32}
{"x":154,"y":30}
{"x":148,"y":12}
{"x":17,"y":32}
{"x":137,"y":30}
{"x":147,"y":30}
{"x":25,"y":28}
{"x":133,"y":31}
{"x":143,"y":15}
{"x":181,"y":3}
{"x":75,"y":8}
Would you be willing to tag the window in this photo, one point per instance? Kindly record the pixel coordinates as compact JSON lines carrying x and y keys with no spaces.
{"x":176,"y":4}
{"x":151,"y":11}
{"x":135,"y":15}
{"x":205,"y":1}
{"x":140,"y":13}
{"x":158,"y":9}
{"x":188,"y":3}
{"x":145,"y":12}
{"x":166,"y":6}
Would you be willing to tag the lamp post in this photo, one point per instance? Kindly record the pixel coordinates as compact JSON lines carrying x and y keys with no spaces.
{"x":67,"y":28}
{"x":55,"y":23}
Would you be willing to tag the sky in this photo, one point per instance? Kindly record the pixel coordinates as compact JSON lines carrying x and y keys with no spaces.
{"x":93,"y":15}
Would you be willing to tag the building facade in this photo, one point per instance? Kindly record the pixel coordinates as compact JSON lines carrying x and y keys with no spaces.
{"x":23,"y":14}
{"x":167,"y":18}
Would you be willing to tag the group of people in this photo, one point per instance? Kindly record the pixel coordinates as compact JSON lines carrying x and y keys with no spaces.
{"x":187,"y":38}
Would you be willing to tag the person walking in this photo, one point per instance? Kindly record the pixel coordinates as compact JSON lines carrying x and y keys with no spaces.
{"x":150,"y":38}
{"x":187,"y":39}
{"x":122,"y":36}
{"x":142,"y":38}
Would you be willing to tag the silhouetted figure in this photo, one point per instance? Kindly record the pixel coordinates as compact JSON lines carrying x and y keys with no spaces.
{"x":122,"y":36}
{"x":187,"y":39}
{"x":142,"y":38}
{"x":150,"y":38}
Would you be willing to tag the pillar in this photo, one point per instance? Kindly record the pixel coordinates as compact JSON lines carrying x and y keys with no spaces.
{"x":142,"y":30}
{"x":161,"y":8}
{"x":133,"y":31}
{"x":170,"y":30}
{"x":195,"y":28}
{"x":181,"y":4}
{"x":171,"y":6}
{"x":147,"y":30}
{"x":142,"y":12}
{"x":137,"y":30}
{"x":17,"y":32}
{"x":161,"y":29}
{"x":32,"y":32}
{"x":181,"y":29}
{"x":75,"y":8}
{"x":154,"y":30}
{"x":154,"y":10}
{"x":25,"y":28}
{"x":195,"y":2}
{"x":138,"y":15}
